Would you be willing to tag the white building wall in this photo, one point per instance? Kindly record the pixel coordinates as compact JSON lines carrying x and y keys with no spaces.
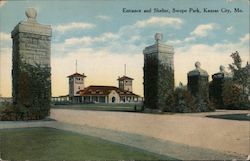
{"x":128,"y":85}
{"x":114,"y":94}
{"x":75,"y":84}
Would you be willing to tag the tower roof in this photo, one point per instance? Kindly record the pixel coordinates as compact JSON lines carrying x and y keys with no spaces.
{"x":124,"y":78}
{"x":77,"y":75}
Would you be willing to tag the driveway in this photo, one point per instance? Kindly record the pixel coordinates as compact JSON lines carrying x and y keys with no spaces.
{"x":195,"y":130}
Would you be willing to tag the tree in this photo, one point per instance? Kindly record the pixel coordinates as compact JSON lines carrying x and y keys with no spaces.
{"x":240,"y":75}
{"x":235,"y":91}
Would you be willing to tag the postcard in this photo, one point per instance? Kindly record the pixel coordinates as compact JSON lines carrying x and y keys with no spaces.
{"x":124,"y":80}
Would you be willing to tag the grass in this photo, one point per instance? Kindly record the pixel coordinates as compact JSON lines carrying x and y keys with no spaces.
{"x":128,"y":107}
{"x":53,"y":144}
{"x":240,"y":117}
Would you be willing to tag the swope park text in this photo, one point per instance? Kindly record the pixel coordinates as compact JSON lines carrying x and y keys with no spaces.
{"x":183,"y":11}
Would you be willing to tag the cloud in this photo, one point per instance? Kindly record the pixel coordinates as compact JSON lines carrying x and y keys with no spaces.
{"x":5,"y":50}
{"x":103,"y":17}
{"x":230,"y":30}
{"x":179,"y":42}
{"x":160,"y":21}
{"x":4,"y":37}
{"x":87,"y":40}
{"x":73,"y":26}
{"x":245,"y":38}
{"x":2,"y":3}
{"x":200,"y":31}
{"x":232,"y":1}
{"x":203,"y":29}
{"x":128,"y":36}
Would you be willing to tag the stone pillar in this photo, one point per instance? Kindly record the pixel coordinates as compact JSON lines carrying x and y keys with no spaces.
{"x":216,"y":86}
{"x":158,"y":76}
{"x":198,"y":86}
{"x":31,"y":84}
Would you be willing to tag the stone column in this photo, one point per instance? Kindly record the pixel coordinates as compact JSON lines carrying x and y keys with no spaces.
{"x":216,"y":86}
{"x":158,"y":76}
{"x":31,"y":84}
{"x":198,"y":87}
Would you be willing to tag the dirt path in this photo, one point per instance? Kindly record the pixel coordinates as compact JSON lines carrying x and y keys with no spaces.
{"x":225,"y":136}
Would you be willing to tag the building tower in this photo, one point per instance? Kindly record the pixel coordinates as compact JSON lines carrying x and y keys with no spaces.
{"x":158,"y":76}
{"x":31,"y":84}
{"x":125,"y":83}
{"x":76,"y":83}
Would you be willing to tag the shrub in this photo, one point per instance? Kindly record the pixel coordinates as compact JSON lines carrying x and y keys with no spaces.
{"x":185,"y":102}
{"x":233,"y":97}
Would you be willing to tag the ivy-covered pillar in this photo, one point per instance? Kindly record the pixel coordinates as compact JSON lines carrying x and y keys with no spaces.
{"x":158,"y":76}
{"x":31,"y":84}
{"x":198,"y":86}
{"x":216,"y":86}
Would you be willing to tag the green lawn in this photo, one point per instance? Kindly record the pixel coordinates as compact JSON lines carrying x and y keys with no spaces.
{"x":53,"y":144}
{"x":240,"y":117}
{"x":128,"y":107}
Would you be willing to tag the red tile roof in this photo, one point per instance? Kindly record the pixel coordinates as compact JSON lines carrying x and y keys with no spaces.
{"x":124,"y":78}
{"x":77,"y":75}
{"x":104,"y":90}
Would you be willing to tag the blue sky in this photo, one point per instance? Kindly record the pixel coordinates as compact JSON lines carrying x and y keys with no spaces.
{"x":103,"y":38}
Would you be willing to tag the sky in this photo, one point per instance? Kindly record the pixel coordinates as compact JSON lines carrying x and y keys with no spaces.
{"x":103,"y":36}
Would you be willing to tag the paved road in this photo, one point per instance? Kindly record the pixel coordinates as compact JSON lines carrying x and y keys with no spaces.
{"x":225,"y":136}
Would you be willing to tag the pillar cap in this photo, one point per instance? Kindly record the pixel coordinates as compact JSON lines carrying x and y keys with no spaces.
{"x":198,"y":70}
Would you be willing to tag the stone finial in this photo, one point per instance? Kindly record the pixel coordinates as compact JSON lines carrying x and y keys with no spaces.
{"x":197,"y":65}
{"x":158,"y":37}
{"x":226,"y":74}
{"x":198,"y":70}
{"x":31,"y":14}
{"x":222,"y":69}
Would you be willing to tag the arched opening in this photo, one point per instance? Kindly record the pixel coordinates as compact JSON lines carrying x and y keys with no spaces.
{"x":113,"y":99}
